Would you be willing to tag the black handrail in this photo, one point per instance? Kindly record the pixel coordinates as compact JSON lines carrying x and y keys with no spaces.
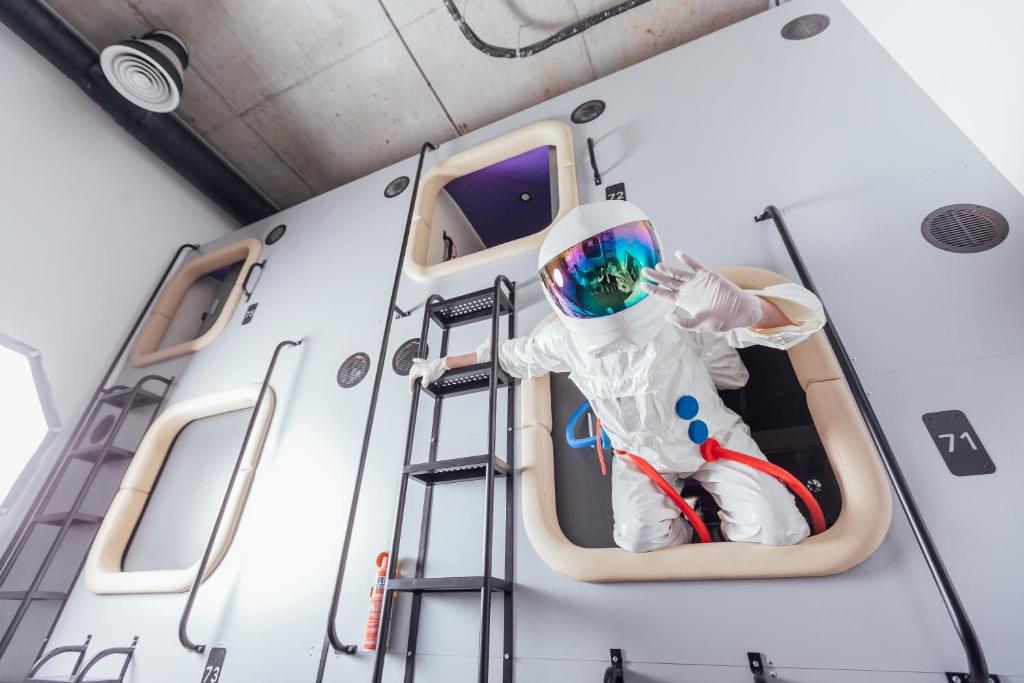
{"x":17,"y":540}
{"x":198,"y":579}
{"x":40,"y":572}
{"x":332,"y":632}
{"x":57,"y":651}
{"x":958,"y":615}
{"x":128,"y":652}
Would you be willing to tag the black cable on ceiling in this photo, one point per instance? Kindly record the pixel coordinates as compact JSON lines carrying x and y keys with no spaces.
{"x":533,"y":48}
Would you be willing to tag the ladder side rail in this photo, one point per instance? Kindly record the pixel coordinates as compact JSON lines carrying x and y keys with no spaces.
{"x":492,"y":416}
{"x":510,"y":504}
{"x":396,"y":538}
{"x":421,"y":552}
{"x":943,"y":582}
{"x":183,"y":636}
{"x":23,"y":606}
{"x":332,"y":638}
{"x":50,"y":484}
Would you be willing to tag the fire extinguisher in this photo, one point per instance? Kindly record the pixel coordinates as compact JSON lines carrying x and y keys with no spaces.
{"x":376,"y":603}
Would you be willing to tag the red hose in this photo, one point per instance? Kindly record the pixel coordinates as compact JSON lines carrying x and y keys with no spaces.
{"x":711,"y":450}
{"x":600,"y":450}
{"x":668,"y":490}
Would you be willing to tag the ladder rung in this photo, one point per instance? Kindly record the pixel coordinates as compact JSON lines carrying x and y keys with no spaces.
{"x":92,"y":453}
{"x":57,"y":518}
{"x":38,"y":595}
{"x":447,"y":584}
{"x":469,"y":308}
{"x":466,"y":380}
{"x":118,"y":396}
{"x":455,"y":469}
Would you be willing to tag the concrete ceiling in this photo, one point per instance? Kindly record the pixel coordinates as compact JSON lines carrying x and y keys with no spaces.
{"x":304,"y":96}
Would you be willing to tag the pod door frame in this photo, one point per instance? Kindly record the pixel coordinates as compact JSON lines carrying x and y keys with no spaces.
{"x":860,"y":528}
{"x":146,"y":350}
{"x":541,"y":134}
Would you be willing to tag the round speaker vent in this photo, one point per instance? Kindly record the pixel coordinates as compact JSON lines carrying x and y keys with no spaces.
{"x":276,"y":234}
{"x":102,"y":429}
{"x":396,"y":186}
{"x":402,"y":361}
{"x":807,"y":26}
{"x":965,"y":228}
{"x":588,"y":111}
{"x":353,"y":369}
{"x":147,"y":71}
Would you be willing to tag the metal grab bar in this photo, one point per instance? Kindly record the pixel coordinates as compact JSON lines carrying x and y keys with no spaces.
{"x":128,"y":652}
{"x":245,"y":281}
{"x":183,"y":622}
{"x":957,"y":614}
{"x":332,"y":638}
{"x":57,"y":651}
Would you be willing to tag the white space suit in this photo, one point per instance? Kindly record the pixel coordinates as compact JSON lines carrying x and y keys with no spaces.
{"x":633,"y":355}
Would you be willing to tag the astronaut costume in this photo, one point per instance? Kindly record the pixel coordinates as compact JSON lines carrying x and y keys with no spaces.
{"x":634,"y":349}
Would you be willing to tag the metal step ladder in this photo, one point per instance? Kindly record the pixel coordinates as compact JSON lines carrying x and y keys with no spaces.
{"x":59,"y":506}
{"x":492,"y":303}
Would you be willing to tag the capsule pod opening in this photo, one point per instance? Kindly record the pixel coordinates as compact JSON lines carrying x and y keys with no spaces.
{"x":801,"y":414}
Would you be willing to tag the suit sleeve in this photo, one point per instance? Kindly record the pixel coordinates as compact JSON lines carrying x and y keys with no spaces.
{"x":541,"y":352}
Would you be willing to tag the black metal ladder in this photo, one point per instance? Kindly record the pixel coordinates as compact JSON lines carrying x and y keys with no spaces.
{"x":30,"y":549}
{"x":492,"y":303}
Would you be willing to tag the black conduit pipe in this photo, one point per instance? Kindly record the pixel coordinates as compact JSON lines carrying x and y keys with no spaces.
{"x":977,"y":666}
{"x":533,"y":48}
{"x":164,"y":135}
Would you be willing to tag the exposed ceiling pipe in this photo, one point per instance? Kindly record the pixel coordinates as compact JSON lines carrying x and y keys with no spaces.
{"x":164,"y":135}
{"x":533,"y":48}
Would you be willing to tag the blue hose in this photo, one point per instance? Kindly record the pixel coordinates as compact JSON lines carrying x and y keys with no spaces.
{"x":587,"y":441}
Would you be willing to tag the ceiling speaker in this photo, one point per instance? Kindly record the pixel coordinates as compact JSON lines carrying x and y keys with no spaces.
{"x":147,"y":71}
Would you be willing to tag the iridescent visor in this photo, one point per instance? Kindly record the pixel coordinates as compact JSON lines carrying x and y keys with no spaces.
{"x":601,"y":275}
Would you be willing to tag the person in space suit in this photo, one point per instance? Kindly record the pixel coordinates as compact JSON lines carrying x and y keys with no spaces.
{"x":634,"y":350}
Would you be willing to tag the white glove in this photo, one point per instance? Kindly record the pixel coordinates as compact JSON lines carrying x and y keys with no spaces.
{"x":706,"y":301}
{"x":483,"y":352}
{"x":427,"y":371}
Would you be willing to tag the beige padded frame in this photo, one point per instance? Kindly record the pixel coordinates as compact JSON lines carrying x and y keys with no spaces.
{"x":146,"y":349}
{"x":862,"y":524}
{"x":543,"y":133}
{"x":103,"y":572}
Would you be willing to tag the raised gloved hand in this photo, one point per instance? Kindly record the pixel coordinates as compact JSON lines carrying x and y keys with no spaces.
{"x":705,"y":300}
{"x":426,"y":370}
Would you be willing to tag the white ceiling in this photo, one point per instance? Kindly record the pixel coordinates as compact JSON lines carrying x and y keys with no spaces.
{"x":303,"y":96}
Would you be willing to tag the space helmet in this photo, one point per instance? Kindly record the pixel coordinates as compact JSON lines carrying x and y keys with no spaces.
{"x":590,"y":264}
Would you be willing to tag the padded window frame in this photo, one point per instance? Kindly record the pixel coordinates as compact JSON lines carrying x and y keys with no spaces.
{"x":146,"y":349}
{"x":103,"y":568}
{"x":541,"y":134}
{"x":860,"y":528}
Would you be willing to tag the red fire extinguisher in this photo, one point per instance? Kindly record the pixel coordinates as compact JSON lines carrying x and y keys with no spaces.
{"x":376,"y":603}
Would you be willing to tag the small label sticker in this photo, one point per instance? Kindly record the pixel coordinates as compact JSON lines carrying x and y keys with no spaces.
{"x":616,"y":191}
{"x":249,"y":313}
{"x":214,"y":665}
{"x":958,"y":443}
